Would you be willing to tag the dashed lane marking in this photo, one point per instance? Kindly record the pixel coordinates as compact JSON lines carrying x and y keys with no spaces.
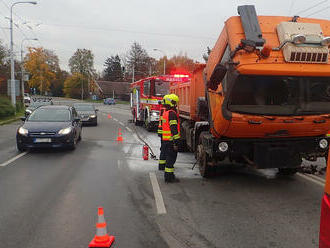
{"x":157,"y":193}
{"x":121,"y":123}
{"x":115,"y":119}
{"x":311,"y":179}
{"x":129,"y":129}
{"x":13,"y":159}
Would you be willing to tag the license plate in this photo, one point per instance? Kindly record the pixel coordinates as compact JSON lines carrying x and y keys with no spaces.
{"x":42,"y":140}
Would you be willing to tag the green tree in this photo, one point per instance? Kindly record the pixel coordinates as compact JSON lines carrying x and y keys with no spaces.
{"x":82,"y":61}
{"x":73,"y":85}
{"x":207,"y":54}
{"x":113,"y":70}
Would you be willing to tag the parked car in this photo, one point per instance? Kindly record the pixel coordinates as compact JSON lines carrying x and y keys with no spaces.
{"x":87,"y":112}
{"x":109,"y":101}
{"x":49,"y":126}
{"x":26,"y":99}
{"x":36,"y":104}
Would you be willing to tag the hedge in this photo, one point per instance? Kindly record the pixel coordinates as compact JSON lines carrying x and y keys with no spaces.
{"x":6,"y":108}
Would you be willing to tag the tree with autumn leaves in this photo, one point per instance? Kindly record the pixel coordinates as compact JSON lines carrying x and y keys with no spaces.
{"x":41,"y":64}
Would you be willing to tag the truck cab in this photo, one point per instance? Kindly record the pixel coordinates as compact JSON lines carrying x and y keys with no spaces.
{"x":266,"y":94}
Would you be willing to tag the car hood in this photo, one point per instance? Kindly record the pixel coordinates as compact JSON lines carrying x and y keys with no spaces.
{"x":32,"y":126}
{"x":86,"y":112}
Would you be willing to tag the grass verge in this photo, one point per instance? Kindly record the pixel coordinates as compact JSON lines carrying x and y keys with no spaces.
{"x":10,"y":119}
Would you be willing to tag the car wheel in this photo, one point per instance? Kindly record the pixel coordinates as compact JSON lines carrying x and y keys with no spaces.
{"x":20,"y":147}
{"x":73,"y":144}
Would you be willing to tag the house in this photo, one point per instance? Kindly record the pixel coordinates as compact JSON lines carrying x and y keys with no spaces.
{"x":120,"y":90}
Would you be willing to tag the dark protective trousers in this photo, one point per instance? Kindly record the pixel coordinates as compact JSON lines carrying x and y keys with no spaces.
{"x":162,"y":156}
{"x":171,"y":156}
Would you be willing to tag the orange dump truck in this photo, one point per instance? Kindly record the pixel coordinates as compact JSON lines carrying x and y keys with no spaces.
{"x":263,"y":98}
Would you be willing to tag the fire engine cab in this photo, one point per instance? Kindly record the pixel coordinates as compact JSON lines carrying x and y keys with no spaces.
{"x":146,"y":95}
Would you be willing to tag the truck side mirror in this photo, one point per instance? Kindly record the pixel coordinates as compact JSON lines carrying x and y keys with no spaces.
{"x":217,"y":76}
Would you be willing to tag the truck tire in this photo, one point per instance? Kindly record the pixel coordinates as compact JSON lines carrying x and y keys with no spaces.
{"x":203,"y":159}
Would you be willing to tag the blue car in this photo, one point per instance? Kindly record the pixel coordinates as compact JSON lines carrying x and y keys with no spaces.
{"x":109,"y":101}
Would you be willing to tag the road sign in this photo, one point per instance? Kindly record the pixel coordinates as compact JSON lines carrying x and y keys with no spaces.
{"x":17,"y":87}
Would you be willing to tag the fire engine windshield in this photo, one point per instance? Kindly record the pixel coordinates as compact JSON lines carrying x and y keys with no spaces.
{"x":280,"y":95}
{"x":161,"y":87}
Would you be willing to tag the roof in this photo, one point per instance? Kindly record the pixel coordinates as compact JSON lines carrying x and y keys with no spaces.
{"x":107,"y":87}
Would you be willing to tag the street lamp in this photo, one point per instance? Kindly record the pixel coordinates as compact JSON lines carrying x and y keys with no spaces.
{"x":12,"y":65}
{"x":155,"y":49}
{"x":22,"y":66}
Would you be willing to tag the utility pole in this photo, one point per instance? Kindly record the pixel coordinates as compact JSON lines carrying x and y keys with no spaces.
{"x":155,"y":49}
{"x":12,"y":63}
{"x":133,"y":74}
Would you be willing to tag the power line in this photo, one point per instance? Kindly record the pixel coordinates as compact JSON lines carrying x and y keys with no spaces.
{"x":127,"y":31}
{"x":22,"y":20}
{"x":312,"y":7}
{"x":319,"y":11}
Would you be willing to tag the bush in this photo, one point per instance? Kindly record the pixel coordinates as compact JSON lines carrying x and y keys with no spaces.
{"x":19,"y":106}
{"x":6,"y":108}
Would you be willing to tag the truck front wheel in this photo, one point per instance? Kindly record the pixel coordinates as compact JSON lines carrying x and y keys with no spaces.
{"x":204,"y":160}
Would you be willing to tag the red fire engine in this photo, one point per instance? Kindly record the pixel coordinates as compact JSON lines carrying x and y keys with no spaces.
{"x":146,"y":95}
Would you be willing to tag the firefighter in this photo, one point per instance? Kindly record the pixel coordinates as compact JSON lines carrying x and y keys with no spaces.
{"x":170,"y":135}
{"x":162,"y":156}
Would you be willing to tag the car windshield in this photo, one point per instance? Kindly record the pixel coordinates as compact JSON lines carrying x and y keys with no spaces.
{"x":50,"y":115}
{"x":38,"y":104}
{"x":161,"y":87}
{"x":280,"y":95}
{"x":83,"y":107}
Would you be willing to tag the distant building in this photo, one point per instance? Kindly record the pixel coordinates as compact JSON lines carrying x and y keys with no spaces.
{"x":106,"y":89}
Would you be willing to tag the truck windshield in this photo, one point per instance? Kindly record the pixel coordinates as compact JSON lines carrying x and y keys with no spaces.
{"x":161,"y":88}
{"x":280,"y":95}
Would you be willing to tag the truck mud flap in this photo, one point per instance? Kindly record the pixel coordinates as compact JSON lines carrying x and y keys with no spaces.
{"x":267,"y":155}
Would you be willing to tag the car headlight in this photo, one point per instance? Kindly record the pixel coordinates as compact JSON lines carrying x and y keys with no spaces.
{"x":28,"y":111}
{"x":23,"y":131}
{"x":223,"y":146}
{"x":92,"y":116}
{"x":154,"y":113}
{"x":66,"y":130}
{"x":323,"y":143}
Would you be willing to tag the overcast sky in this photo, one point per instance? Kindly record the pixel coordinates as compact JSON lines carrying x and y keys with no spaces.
{"x":109,"y":27}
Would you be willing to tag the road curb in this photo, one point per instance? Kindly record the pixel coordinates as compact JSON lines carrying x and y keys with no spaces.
{"x":9,"y":121}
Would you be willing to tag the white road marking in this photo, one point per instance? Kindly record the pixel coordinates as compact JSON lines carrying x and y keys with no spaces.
{"x":311,"y":179}
{"x":129,"y":129}
{"x":157,"y":193}
{"x":13,"y":159}
{"x":316,"y":178}
{"x":121,"y":123}
{"x":115,"y":119}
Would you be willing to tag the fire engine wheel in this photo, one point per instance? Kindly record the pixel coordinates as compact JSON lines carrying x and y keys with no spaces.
{"x":203,"y":158}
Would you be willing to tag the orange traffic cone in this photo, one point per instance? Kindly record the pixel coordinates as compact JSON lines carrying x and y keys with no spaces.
{"x":101,"y":239}
{"x":109,"y":116}
{"x":120,"y":137}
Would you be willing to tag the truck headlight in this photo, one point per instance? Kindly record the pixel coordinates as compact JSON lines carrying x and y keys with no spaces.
{"x":66,"y":130}
{"x":323,"y":143}
{"x":223,"y":147}
{"x":92,"y":116}
{"x":23,"y":131}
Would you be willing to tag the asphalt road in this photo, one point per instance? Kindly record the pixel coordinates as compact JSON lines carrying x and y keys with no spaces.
{"x":50,"y":198}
